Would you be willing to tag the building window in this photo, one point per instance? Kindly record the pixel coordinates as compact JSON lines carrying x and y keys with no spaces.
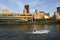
{"x":4,"y":14}
{"x":24,"y":17}
{"x":10,"y":14}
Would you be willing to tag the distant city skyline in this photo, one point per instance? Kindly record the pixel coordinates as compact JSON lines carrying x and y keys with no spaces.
{"x":41,"y":5}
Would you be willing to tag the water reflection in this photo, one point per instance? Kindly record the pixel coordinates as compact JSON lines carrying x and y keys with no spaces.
{"x":18,"y":32}
{"x":58,"y":31}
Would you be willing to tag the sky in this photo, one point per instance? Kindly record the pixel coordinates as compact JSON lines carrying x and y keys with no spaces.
{"x":48,"y":6}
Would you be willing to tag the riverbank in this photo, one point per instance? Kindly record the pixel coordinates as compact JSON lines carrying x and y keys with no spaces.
{"x":30,"y":23}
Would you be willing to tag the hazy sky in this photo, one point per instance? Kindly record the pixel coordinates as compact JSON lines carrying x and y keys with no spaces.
{"x":41,"y":5}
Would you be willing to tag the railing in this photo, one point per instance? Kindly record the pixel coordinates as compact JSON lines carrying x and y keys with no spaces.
{"x":9,"y":17}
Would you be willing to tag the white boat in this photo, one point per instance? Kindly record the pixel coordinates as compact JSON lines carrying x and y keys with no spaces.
{"x":35,"y":31}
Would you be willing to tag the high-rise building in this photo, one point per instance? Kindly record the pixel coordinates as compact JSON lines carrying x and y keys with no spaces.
{"x":58,"y":10}
{"x":36,"y":11}
{"x":27,"y":8}
{"x":5,"y":11}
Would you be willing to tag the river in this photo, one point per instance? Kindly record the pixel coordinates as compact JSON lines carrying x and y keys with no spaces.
{"x":19,"y":32}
